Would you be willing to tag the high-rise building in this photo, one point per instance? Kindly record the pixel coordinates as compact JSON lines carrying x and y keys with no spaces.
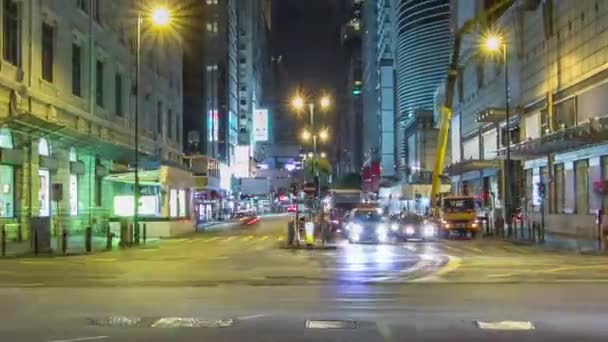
{"x":349,"y":154}
{"x":379,"y":83}
{"x":423,"y":52}
{"x":211,"y":79}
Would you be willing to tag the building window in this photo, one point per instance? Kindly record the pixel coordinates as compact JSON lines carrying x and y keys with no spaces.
{"x":564,"y":114}
{"x":99,"y":83}
{"x":170,"y":123}
{"x":558,"y":204}
{"x":159,"y":117}
{"x":529,"y":193}
{"x":76,"y":70}
{"x":12,"y":33}
{"x":581,"y":176}
{"x":48,"y":33}
{"x":118,"y":97}
{"x":83,"y":5}
{"x":6,"y":138}
{"x":97,"y":10}
{"x":43,"y":148}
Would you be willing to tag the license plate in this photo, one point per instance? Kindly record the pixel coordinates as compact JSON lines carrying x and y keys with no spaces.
{"x":461,"y":225}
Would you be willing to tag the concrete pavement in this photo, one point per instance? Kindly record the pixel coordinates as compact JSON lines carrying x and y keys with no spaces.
{"x":238,"y":284}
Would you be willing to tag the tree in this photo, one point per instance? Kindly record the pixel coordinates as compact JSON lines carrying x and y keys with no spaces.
{"x":321,"y":165}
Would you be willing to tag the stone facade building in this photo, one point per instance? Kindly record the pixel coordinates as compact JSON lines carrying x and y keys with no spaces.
{"x":67,"y":104}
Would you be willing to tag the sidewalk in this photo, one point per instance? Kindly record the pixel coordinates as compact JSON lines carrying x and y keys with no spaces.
{"x":558,"y":242}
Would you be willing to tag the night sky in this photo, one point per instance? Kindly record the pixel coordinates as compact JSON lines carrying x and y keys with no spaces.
{"x":308,"y":37}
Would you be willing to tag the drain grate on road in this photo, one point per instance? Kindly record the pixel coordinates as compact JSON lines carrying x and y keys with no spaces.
{"x":506,"y":325}
{"x":115,"y":321}
{"x":190,"y":322}
{"x":331,"y":324}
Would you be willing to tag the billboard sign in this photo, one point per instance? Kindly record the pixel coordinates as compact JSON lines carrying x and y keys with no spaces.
{"x":260,"y":125}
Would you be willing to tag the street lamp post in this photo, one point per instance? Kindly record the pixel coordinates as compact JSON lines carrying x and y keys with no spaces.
{"x":158,"y":17}
{"x":495,"y":43}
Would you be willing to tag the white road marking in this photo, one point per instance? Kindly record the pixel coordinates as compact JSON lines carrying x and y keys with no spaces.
{"x":229,"y":238}
{"x":244,"y":318}
{"x":506,"y":325}
{"x":411,"y":248}
{"x":331,"y":324}
{"x":263,"y":238}
{"x":92,"y":338}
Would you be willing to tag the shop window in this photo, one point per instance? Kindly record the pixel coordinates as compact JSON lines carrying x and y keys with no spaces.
{"x":581,"y":174}
{"x":7,"y":194}
{"x":6,"y":138}
{"x":44,"y":192}
{"x":182,"y":203}
{"x":73,"y":195}
{"x":558,"y":197}
{"x":173,"y":203}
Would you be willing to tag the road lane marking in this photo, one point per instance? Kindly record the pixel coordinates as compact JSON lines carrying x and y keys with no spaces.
{"x":212,"y":239}
{"x":264,"y":238}
{"x":452,"y":264}
{"x":77,"y":339}
{"x":230,"y":238}
{"x":280,"y":238}
{"x":104,"y":259}
{"x":506,"y":325}
{"x":248,"y":237}
{"x":411,"y":248}
{"x":34,"y":262}
{"x":331,"y":324}
{"x":249,"y":317}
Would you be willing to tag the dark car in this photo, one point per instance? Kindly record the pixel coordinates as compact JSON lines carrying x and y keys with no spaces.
{"x":367,"y":225}
{"x":412,"y":227}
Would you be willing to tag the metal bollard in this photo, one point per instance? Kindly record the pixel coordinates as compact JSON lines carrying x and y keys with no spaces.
{"x":145,"y":232}
{"x":36,"y":242}
{"x":136,"y":233}
{"x":109,"y":237}
{"x":88,"y":237}
{"x":19,"y":233}
{"x":64,"y":242}
{"x":3,"y":240}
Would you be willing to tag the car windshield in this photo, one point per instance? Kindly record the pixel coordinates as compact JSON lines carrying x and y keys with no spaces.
{"x":369,"y":216}
{"x":459,"y":204}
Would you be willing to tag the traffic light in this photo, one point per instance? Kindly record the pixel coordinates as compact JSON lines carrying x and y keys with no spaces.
{"x":540,"y":187}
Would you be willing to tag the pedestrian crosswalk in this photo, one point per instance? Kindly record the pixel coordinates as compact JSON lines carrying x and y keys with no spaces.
{"x":454,"y":248}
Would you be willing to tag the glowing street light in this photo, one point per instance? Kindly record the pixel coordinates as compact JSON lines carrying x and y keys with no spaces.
{"x":323,"y":155}
{"x":325,"y":102}
{"x":160,"y":16}
{"x":306,"y":135}
{"x":298,"y":102}
{"x":324,"y":135}
{"x":493,"y":43}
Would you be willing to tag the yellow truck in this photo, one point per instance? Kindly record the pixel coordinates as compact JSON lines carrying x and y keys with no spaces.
{"x":458,"y":216}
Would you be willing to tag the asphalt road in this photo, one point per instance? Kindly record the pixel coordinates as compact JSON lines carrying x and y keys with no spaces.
{"x":240,"y":284}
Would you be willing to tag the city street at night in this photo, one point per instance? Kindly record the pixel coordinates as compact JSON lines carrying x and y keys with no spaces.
{"x":236,"y":283}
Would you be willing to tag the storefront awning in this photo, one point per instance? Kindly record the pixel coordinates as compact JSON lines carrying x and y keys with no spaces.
{"x":168,"y":176}
{"x":594,"y":131}
{"x":471,"y":165}
{"x":106,"y":145}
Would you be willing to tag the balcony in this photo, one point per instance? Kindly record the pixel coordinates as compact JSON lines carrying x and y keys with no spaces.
{"x":465,"y":166}
{"x":594,"y":131}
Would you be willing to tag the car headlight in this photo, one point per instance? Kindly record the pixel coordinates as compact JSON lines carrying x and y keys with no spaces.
{"x":381,"y":229}
{"x":355,"y":229}
{"x":428,"y":230}
{"x":409,"y":230}
{"x":394,"y":227}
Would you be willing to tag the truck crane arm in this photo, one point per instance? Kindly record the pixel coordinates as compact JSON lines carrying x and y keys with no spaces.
{"x":446,"y":111}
